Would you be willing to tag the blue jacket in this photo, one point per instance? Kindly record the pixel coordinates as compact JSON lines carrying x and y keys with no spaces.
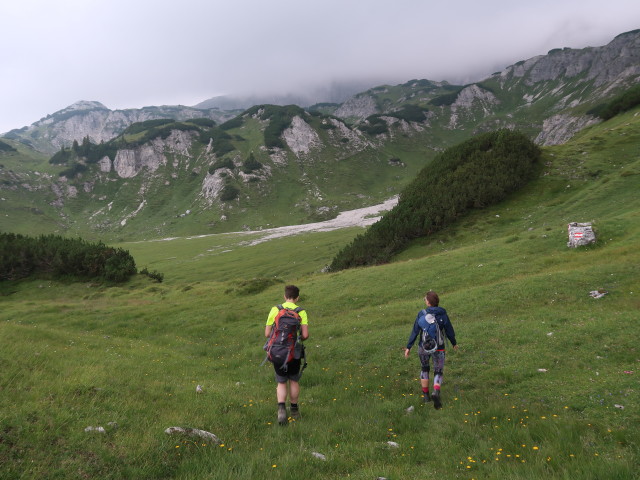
{"x":442,"y":319}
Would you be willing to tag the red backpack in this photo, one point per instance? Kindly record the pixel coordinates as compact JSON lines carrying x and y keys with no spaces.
{"x":281,"y":345}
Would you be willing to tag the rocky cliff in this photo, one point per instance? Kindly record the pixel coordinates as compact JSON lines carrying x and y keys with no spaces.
{"x":98,"y":123}
{"x":605,"y":66}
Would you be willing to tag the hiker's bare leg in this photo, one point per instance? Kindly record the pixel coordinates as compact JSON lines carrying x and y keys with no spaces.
{"x":281,"y":392}
{"x":294,"y":391}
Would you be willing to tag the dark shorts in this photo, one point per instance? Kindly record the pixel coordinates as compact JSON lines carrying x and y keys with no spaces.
{"x":291,"y":372}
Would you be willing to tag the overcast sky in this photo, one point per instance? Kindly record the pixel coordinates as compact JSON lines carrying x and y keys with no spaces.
{"x":134,"y":53}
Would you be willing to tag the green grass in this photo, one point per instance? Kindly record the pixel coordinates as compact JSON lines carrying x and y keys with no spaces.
{"x":79,"y":355}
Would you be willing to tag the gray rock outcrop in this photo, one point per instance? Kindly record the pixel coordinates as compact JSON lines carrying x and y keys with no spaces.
{"x":557,"y":129}
{"x":359,"y":107}
{"x":129,"y":162}
{"x":300,"y":137}
{"x":602,"y":65}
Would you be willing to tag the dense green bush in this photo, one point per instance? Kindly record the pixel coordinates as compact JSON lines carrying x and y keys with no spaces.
{"x":51,"y":255}
{"x":203,"y":122}
{"x":74,"y":170}
{"x":477,"y":173}
{"x":251,"y":164}
{"x":447,"y":99}
{"x":90,"y":152}
{"x":375,"y":125}
{"x":236,"y":122}
{"x":221,"y":144}
{"x":622,"y":103}
{"x":62,"y":157}
{"x":410,"y":113}
{"x":229,"y":192}
{"x":154,"y":275}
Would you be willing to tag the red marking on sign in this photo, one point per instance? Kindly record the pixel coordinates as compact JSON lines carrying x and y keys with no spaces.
{"x":577,"y":234}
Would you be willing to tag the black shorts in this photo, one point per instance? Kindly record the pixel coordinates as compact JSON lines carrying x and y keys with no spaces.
{"x":290,"y":372}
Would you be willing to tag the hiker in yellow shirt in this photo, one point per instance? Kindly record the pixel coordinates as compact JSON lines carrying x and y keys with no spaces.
{"x":287,"y":326}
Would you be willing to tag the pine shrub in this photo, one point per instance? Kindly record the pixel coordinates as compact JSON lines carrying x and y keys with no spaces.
{"x":57,"y":257}
{"x":474,"y":174}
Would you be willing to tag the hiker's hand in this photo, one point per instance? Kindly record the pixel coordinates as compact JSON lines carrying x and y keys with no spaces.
{"x":455,"y":347}
{"x":406,"y":353}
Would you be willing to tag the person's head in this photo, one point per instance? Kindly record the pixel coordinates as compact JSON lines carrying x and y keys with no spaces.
{"x":432,"y":298}
{"x":291,"y":292}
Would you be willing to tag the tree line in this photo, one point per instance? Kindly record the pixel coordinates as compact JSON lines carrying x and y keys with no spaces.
{"x":474,"y":174}
{"x":62,"y":258}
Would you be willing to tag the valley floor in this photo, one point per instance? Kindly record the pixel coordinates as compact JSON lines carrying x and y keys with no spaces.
{"x":361,"y":217}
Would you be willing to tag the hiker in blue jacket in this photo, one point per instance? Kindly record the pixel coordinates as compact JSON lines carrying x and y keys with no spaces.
{"x":429,"y":327}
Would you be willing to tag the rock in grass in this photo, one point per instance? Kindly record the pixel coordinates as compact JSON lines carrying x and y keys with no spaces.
{"x":580,"y":234}
{"x":318,"y":455}
{"x":410,"y":409}
{"x":193,"y":432}
{"x":393,"y":444}
{"x":199,"y":389}
{"x":598,"y":293}
{"x":95,"y":429}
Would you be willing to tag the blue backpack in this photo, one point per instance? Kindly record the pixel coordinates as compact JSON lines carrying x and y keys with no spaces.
{"x":431,"y":336}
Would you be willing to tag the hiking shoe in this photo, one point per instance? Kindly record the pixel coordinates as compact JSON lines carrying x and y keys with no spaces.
{"x":295,"y":413}
{"x":282,"y":415}
{"x":426,"y":397}
{"x":437,"y":403}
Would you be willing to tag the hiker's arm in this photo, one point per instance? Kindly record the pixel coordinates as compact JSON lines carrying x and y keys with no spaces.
{"x":304,"y":329}
{"x":414,"y":335}
{"x":270,"y":321}
{"x":451,"y":334}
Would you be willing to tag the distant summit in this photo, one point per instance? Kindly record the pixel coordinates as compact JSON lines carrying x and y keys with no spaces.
{"x":84,"y":105}
{"x":333,"y":93}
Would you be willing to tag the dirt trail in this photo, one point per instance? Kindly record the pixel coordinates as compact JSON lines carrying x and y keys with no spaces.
{"x":361,"y":217}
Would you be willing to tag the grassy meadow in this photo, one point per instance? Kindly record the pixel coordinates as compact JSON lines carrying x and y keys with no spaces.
{"x":545,"y":383}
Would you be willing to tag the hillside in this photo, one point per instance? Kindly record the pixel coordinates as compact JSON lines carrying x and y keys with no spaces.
{"x":544,"y":384}
{"x":283,"y":165}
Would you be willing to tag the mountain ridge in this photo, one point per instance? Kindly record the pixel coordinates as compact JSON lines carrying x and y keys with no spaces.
{"x":166,"y":177}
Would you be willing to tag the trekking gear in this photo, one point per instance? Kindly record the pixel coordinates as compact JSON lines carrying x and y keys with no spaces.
{"x":437,"y":403}
{"x":295,"y":411}
{"x":282,"y":414}
{"x":285,"y":343}
{"x":432,"y":336}
{"x":426,"y":397}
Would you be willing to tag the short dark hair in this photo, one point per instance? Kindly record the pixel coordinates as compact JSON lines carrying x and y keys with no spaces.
{"x":291,"y":291}
{"x":432,"y":298}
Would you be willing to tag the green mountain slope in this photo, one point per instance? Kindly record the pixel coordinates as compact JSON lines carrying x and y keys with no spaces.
{"x":544,"y":383}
